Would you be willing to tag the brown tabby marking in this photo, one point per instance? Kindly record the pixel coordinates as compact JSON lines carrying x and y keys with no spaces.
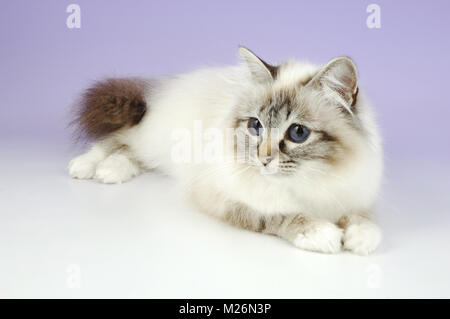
{"x":353,"y":219}
{"x":285,"y":226}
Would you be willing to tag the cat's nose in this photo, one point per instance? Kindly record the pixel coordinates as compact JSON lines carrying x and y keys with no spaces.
{"x":266,"y":160}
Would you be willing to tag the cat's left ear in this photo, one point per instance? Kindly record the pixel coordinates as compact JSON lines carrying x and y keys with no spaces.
{"x":339,"y":79}
{"x":261,"y":71}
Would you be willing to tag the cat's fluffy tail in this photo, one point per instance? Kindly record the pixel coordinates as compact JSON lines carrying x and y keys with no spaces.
{"x":110,"y":105}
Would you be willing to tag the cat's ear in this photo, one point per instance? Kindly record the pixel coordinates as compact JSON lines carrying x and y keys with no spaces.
{"x":339,"y":79}
{"x":261,"y":71}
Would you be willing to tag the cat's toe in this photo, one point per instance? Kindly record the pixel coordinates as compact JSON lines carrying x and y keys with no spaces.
{"x":109,"y":175}
{"x":81,"y":168}
{"x":115,"y":171}
{"x":324,"y":237}
{"x":362,"y":239}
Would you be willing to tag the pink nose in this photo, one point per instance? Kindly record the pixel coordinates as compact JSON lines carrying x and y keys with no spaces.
{"x":266,"y":160}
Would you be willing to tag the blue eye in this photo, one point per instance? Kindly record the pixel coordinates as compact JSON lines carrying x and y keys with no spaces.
{"x":298,"y":133}
{"x":254,"y":126}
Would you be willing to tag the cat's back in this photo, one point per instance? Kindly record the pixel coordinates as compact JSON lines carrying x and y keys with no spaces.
{"x":197,"y":95}
{"x":180,"y":104}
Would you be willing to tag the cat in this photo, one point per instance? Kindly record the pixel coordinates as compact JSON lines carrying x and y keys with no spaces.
{"x":313,"y":183}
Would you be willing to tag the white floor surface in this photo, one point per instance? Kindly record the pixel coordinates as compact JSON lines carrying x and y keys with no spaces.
{"x":70,"y":239}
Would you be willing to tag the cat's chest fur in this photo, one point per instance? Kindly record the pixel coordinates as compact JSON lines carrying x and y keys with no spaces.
{"x":326,"y":196}
{"x":270,"y":195}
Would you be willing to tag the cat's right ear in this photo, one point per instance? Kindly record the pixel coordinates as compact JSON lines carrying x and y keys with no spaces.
{"x":261,"y":71}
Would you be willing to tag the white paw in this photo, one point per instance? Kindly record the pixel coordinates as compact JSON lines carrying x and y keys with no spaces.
{"x":115,"y":169}
{"x":82,"y":167}
{"x":362,"y":238}
{"x":324,"y":237}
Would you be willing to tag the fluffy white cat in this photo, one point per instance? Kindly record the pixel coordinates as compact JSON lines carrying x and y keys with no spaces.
{"x":303,"y":161}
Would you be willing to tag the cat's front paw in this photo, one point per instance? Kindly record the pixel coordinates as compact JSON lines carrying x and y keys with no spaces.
{"x":322,"y":237}
{"x":115,"y":169}
{"x":82,"y":167}
{"x":362,"y":238}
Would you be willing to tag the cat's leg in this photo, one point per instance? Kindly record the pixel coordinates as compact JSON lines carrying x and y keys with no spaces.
{"x":118,"y":167}
{"x":303,"y":231}
{"x":83,"y":166}
{"x":361,"y":234}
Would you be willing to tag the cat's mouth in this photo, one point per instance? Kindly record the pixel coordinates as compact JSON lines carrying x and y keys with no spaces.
{"x":265,"y":170}
{"x":274,"y":170}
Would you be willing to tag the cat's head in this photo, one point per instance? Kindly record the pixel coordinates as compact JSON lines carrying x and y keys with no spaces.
{"x":298,"y":115}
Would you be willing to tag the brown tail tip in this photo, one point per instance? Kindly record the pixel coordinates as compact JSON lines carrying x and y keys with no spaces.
{"x":110,"y":105}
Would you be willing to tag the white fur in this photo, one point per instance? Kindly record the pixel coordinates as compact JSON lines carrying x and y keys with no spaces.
{"x":116,"y":168}
{"x":83,"y":166}
{"x":105,"y":163}
{"x":324,"y":237}
{"x":362,"y":238}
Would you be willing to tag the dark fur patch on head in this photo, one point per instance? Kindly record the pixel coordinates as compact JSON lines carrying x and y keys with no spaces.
{"x":110,"y":105}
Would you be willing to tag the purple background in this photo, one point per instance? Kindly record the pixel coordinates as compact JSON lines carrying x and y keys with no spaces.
{"x":404,"y":66}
